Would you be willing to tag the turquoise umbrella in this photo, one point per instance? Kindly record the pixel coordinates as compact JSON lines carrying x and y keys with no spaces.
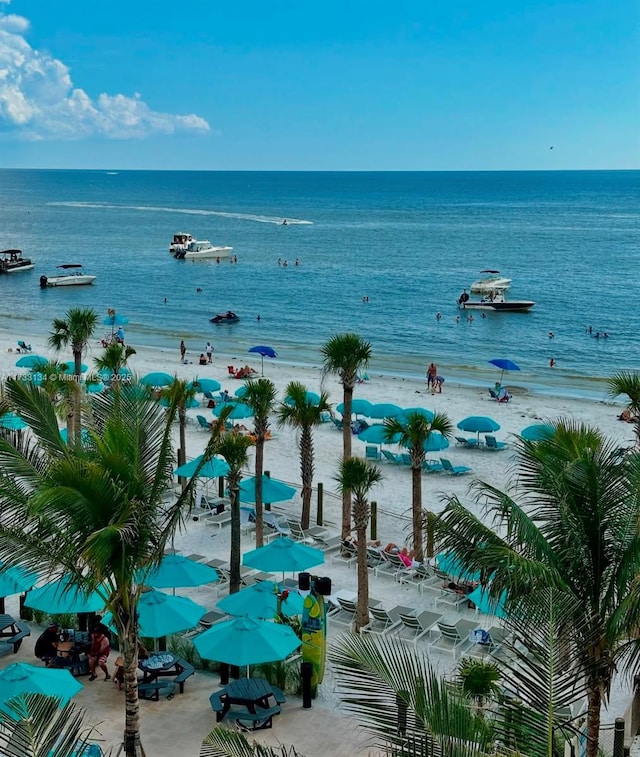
{"x":261,"y":601}
{"x":376,"y":434}
{"x":115,"y":320}
{"x":69,"y":367}
{"x":385,"y":410}
{"x":311,"y":397}
{"x":85,"y":436}
{"x":205,"y":385}
{"x":284,"y":555}
{"x":537,"y":432}
{"x":240,"y":392}
{"x":436,"y":442}
{"x":22,"y":678}
{"x":157,"y":378}
{"x":246,"y":641}
{"x":211,"y":469}
{"x":478,"y":424}
{"x":485,"y":604}
{"x":358,"y":407}
{"x":12,"y":422}
{"x":177,"y":570}
{"x":106,"y":374}
{"x":161,"y":614}
{"x":16,"y":580}
{"x":420,"y":410}
{"x":31,"y":361}
{"x":450,"y":563}
{"x":272,"y":490}
{"x":93,"y":387}
{"x":240,"y":410}
{"x":164,"y":402}
{"x":62,"y":597}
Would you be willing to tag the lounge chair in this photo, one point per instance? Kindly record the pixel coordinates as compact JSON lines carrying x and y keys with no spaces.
{"x":305,"y":534}
{"x":347,"y":554}
{"x":416,"y":627}
{"x":203,"y":424}
{"x":371,"y":452}
{"x":327,"y":543}
{"x":454,"y":637}
{"x":376,"y":559}
{"x":347,"y":609}
{"x":449,"y":596}
{"x":492,"y":443}
{"x":454,"y":470}
{"x":391,"y":457}
{"x":23,"y":346}
{"x":492,"y":644}
{"x":405,"y":459}
{"x":432,"y":466}
{"x":393,"y":565}
{"x":420,"y":576}
{"x":273,"y":528}
{"x":339,"y":424}
{"x":385,"y":621}
{"x":247,"y":519}
{"x":471,"y":443}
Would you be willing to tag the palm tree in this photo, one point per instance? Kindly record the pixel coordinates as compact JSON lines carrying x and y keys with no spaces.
{"x":74,"y":331}
{"x":345,"y":355}
{"x":628,"y":383}
{"x":62,"y":393}
{"x":575,"y":529}
{"x":94,"y":513}
{"x":260,"y":396}
{"x":114,"y":357}
{"x":414,"y":430}
{"x":233,"y":447}
{"x":300,"y":412}
{"x":179,"y":393}
{"x":357,"y":476}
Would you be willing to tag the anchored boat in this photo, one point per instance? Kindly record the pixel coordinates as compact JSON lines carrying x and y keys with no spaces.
{"x":71,"y":276}
{"x":494,"y":300}
{"x":12,"y":261}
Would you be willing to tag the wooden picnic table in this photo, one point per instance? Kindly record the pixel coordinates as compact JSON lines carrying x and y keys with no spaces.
{"x":8,"y":626}
{"x":247,"y":692}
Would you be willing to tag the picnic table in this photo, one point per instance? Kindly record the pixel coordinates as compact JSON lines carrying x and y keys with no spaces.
{"x":161,"y":673}
{"x":253,"y":695}
{"x":8,"y":626}
{"x":12,"y":632}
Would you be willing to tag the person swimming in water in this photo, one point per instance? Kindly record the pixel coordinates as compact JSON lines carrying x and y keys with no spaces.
{"x":284,"y":223}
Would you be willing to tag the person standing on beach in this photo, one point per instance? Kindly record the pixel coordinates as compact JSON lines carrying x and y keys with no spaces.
{"x":432,"y":372}
{"x":183,"y":350}
{"x":209,"y":351}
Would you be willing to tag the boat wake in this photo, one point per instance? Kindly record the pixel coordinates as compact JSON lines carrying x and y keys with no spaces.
{"x":187,"y":211}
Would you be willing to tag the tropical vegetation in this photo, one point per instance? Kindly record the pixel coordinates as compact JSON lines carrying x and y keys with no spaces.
{"x":628,"y":382}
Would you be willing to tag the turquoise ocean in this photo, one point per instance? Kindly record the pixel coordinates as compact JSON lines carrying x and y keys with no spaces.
{"x":409,"y":242}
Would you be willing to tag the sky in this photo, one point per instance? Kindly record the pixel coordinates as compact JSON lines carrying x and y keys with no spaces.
{"x":351,"y":85}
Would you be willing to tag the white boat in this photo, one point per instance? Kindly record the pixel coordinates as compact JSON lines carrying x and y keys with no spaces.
{"x":70,"y":276}
{"x":12,"y":261}
{"x":493,"y":280}
{"x":494,"y":300}
{"x":185,"y":247}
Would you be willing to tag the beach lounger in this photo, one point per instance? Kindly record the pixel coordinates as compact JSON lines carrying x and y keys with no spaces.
{"x":471,"y":443}
{"x":23,"y":346}
{"x":347,"y":554}
{"x":453,"y":470}
{"x":305,"y":534}
{"x":218,"y":519}
{"x":339,"y":424}
{"x":405,"y":459}
{"x":391,"y":457}
{"x":203,"y":424}
{"x":385,"y":621}
{"x":454,"y":637}
{"x":328,"y":543}
{"x":432,"y":466}
{"x":492,"y":443}
{"x":422,"y":576}
{"x":273,"y":528}
{"x":416,"y":627}
{"x":371,"y":452}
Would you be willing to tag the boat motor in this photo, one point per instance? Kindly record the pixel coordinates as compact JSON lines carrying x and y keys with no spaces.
{"x":43,"y":282}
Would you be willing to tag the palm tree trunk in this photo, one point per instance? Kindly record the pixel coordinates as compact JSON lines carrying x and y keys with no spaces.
{"x":306,"y":470}
{"x":594,"y":699}
{"x":346,"y":453}
{"x":77,"y":408}
{"x":362,"y":616}
{"x":132,"y":745}
{"x":416,"y":486}
{"x":234,"y":557}
{"x":182,"y":452}
{"x":259,"y":470}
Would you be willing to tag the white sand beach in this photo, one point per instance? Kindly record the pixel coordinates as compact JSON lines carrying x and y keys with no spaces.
{"x":393,"y":496}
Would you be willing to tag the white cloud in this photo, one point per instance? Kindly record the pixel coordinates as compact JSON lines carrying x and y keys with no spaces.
{"x":38,"y":99}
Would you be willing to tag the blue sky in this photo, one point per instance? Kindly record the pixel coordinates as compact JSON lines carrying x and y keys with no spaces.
{"x":439,"y":85}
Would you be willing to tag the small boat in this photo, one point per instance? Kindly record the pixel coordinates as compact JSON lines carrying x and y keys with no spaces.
{"x":493,"y":280}
{"x":227,"y":317}
{"x":70,"y":276}
{"x":185,"y":247}
{"x":494,"y":300}
{"x":12,"y":261}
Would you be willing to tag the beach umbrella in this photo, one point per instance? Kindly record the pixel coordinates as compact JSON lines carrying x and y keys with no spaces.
{"x":358,"y":407}
{"x":12,"y":422}
{"x":436,"y":442}
{"x":264,"y":351}
{"x":161,"y":614}
{"x":69,"y":366}
{"x":240,"y":391}
{"x":537,"y":432}
{"x":485,"y":604}
{"x":213,"y":468}
{"x":384,"y":410}
{"x":63,"y":597}
{"x":420,"y":411}
{"x":311,"y":398}
{"x":16,"y":580}
{"x":272,"y":490}
{"x":31,"y":361}
{"x":191,"y":403}
{"x":376,"y":434}
{"x":450,"y":563}
{"x":261,"y":601}
{"x":107,"y":375}
{"x":85,"y":436}
{"x":478,"y":424}
{"x":115,"y":319}
{"x":93,"y":387}
{"x":156,"y":378}
{"x":22,"y":678}
{"x":240,"y":410}
{"x":177,"y":570}
{"x":284,"y":555}
{"x":205,"y":385}
{"x":504,"y":365}
{"x":246,"y":641}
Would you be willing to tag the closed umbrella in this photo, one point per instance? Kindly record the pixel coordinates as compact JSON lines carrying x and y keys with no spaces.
{"x":272,"y":490}
{"x":62,"y":597}
{"x":240,"y":410}
{"x":246,"y":641}
{"x":284,"y":555}
{"x":156,"y":378}
{"x":161,"y":614}
{"x":504,"y":365}
{"x":384,"y":410}
{"x":358,"y":407}
{"x":177,"y":570}
{"x":261,"y":601}
{"x":485,"y":604}
{"x":31,"y":361}
{"x":22,"y":678}
{"x":16,"y":580}
{"x":264,"y":351}
{"x":478,"y":424}
{"x":537,"y":432}
{"x":211,"y":469}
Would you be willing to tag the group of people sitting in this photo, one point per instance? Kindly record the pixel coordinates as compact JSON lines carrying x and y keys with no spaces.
{"x":628,"y":417}
{"x":500,"y":393}
{"x":242,"y":373}
{"x":407,"y":556}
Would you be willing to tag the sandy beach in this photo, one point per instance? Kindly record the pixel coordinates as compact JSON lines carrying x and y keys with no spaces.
{"x":393,"y":496}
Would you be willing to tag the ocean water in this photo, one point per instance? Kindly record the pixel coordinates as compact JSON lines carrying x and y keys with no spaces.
{"x":409,"y":242}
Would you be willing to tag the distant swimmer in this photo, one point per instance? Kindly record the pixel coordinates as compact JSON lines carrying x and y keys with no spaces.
{"x":198,"y":289}
{"x":284,"y":223}
{"x":297,"y":261}
{"x":258,"y":318}
{"x":552,"y":362}
{"x":552,"y":335}
{"x":551,"y":148}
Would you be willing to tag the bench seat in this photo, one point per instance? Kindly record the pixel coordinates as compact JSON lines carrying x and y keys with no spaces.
{"x":186,"y":671}
{"x":152,"y":690}
{"x":260,"y":719}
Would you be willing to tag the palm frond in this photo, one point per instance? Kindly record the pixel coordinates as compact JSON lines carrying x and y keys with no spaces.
{"x":221,"y":742}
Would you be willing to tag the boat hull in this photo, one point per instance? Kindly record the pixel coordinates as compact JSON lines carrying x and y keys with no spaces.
{"x":66,"y":281}
{"x":515,"y":306}
{"x":212,"y":253}
{"x":17,"y":268}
